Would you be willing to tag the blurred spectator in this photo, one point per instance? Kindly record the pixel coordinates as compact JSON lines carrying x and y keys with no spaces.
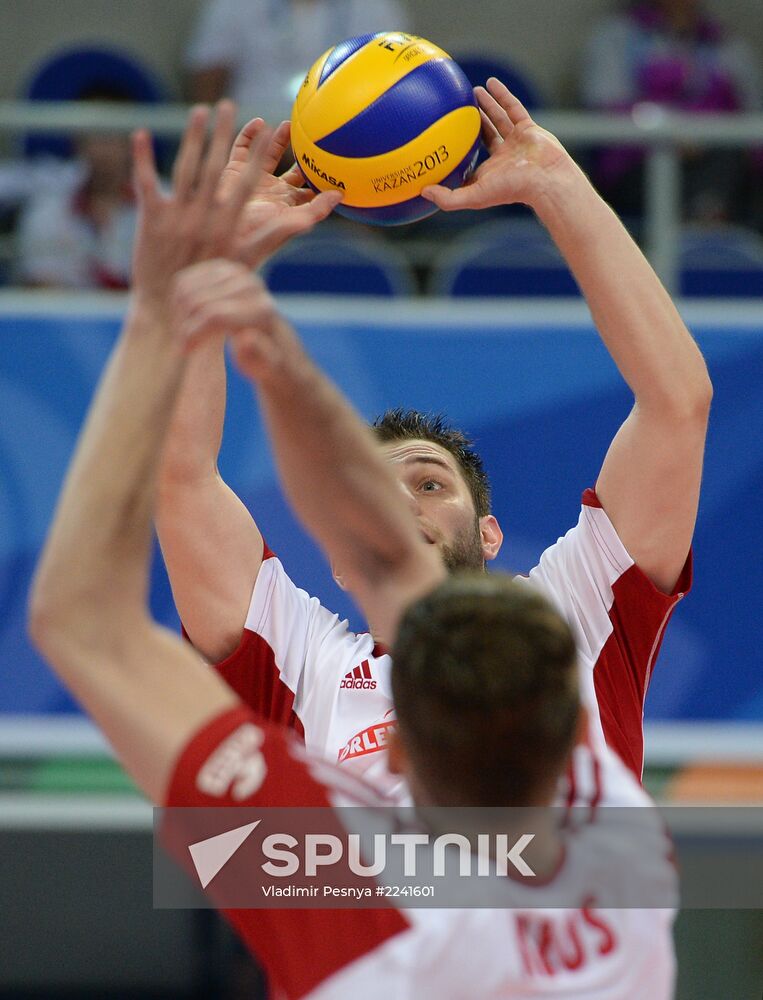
{"x":670,"y":52}
{"x":258,"y":51}
{"x":76,"y":230}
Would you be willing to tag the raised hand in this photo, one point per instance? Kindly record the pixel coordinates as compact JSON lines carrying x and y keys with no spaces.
{"x":522,"y":156}
{"x":282,"y":206}
{"x":223,"y":297}
{"x":198,"y":218}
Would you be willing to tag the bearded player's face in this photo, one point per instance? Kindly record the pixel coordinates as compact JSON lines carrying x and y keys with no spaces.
{"x":437,"y":492}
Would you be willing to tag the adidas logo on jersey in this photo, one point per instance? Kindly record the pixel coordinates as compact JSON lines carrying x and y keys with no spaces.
{"x":360,"y":677}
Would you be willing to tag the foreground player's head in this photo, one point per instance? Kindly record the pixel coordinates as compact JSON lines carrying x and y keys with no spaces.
{"x":485,"y":687}
{"x":447,"y":485}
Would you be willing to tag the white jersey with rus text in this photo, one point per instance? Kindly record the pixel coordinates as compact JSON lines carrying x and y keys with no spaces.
{"x":300,"y":665}
{"x":526,"y":947}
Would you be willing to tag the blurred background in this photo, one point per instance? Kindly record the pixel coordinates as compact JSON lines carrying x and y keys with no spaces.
{"x":473,"y":314}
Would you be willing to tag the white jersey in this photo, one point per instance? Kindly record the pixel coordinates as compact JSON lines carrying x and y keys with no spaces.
{"x":300,"y":665}
{"x":268,"y":45}
{"x":528,"y":947}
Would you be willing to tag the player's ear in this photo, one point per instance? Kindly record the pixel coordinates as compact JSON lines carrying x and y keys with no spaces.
{"x":491,"y":537}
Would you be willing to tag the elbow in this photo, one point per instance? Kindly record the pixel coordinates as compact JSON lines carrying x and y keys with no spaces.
{"x":178,"y":473}
{"x":703,"y":395}
{"x":72,"y":628}
{"x":691,"y":403}
{"x":55,"y":615}
{"x":46,"y":620}
{"x":699,"y":388}
{"x":701,"y":403}
{"x":59,"y":619}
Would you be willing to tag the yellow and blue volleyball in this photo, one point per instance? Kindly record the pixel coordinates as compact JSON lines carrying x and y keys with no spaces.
{"x":380,"y":117}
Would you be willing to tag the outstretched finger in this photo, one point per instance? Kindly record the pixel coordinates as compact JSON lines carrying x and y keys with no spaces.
{"x":309,"y":213}
{"x":304,"y":195}
{"x":189,"y":156}
{"x":145,"y":178}
{"x":278,"y":146}
{"x":219,"y":148}
{"x":243,"y":142}
{"x":449,"y":200}
{"x":244,"y":186}
{"x":495,"y":114}
{"x":515,"y":110}
{"x":294,"y":176}
{"x":299,"y":219}
{"x":489,"y":132}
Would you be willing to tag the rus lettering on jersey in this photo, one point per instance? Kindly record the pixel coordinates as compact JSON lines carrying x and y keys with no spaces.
{"x":550,"y":945}
{"x":236,"y":764}
{"x":369,"y":740}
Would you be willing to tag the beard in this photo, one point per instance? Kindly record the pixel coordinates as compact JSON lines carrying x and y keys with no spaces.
{"x":465,"y":552}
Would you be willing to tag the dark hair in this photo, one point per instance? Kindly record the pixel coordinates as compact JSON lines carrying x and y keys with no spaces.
{"x":485,"y":687}
{"x":402,"y":425}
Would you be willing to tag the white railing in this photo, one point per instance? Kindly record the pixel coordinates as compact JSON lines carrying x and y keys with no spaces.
{"x":661,"y":132}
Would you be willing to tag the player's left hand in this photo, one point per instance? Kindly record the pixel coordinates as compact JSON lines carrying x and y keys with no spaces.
{"x":282,"y":206}
{"x":523,"y":156}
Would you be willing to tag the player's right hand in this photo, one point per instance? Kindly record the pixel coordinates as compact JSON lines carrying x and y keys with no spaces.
{"x":282,"y":206}
{"x":197,"y":219}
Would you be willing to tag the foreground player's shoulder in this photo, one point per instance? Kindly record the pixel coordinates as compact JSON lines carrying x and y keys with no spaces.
{"x":238,"y":758}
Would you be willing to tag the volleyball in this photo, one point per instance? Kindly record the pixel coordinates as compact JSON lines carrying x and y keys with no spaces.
{"x":380,"y":117}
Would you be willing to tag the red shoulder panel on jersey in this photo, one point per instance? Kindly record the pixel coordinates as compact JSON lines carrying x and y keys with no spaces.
{"x":251,"y":671}
{"x":624,"y":668}
{"x":590,"y":499}
{"x":299,"y":949}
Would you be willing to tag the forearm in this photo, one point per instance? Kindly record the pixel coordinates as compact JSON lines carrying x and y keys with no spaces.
{"x":649,"y":481}
{"x":330,"y":465}
{"x":196,"y":429}
{"x":633,"y":313}
{"x":335,"y":477}
{"x":97,"y":550}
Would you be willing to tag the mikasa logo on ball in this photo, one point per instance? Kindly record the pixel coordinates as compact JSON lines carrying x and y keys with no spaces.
{"x":312,"y":165}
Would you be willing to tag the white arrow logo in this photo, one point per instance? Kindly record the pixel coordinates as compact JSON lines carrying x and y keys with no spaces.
{"x":210,"y":855}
